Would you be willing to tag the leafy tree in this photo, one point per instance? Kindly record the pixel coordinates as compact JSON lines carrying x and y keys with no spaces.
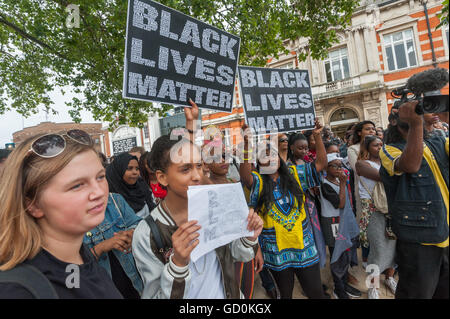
{"x":39,"y":52}
{"x":443,"y":16}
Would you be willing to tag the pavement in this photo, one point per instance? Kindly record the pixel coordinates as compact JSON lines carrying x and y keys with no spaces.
{"x":357,"y":271}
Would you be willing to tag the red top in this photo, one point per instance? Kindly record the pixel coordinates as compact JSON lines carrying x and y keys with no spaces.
{"x":158,"y":191}
{"x":310,"y":157}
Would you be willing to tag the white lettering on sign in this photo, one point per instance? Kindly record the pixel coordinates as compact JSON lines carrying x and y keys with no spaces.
{"x":165,"y":26}
{"x":204,"y":69}
{"x":207,"y":42}
{"x":135,"y":83}
{"x":281,"y":122}
{"x":136,"y":54}
{"x":182,"y":67}
{"x":190,"y":34}
{"x":275,"y":80}
{"x":289,"y":79}
{"x":200,"y":94}
{"x":167,"y":89}
{"x":301,"y":79}
{"x":248,"y":79}
{"x":225,"y":72}
{"x":183,"y":90}
{"x":181,"y":50}
{"x":305,"y":100}
{"x":144,"y":16}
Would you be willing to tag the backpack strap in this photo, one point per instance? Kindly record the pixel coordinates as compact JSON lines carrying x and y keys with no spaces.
{"x":156,"y":234}
{"x":31,"y":279}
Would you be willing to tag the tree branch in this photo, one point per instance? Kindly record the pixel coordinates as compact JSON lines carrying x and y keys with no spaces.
{"x":25,"y":35}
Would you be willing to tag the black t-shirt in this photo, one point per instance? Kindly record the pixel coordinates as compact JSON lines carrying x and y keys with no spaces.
{"x":94,"y":282}
{"x":120,"y":278}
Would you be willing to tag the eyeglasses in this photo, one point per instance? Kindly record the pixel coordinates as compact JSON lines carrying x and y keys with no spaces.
{"x":335,"y":166}
{"x":52,"y":145}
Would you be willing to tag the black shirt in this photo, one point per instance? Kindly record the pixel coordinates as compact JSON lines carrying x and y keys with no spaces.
{"x":94,"y":282}
{"x":120,"y":279}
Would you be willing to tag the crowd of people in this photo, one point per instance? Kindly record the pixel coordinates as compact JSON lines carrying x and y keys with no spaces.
{"x":124,"y":222}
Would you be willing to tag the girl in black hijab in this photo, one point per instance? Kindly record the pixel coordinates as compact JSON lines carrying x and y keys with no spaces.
{"x":123,"y":178}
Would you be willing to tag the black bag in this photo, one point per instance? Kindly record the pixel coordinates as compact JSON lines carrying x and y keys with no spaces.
{"x":31,"y":279}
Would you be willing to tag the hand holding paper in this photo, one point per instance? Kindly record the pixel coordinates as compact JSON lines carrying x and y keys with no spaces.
{"x":184,"y":240}
{"x":255,"y":224}
{"x":223,"y":213}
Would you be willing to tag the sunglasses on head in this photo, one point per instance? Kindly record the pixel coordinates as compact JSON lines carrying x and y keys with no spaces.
{"x":52,"y":145}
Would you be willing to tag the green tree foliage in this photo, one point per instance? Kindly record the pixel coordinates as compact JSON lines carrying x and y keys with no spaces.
{"x":443,"y":15}
{"x":39,"y":53}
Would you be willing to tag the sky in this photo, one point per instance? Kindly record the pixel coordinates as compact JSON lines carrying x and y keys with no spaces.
{"x":12,"y":121}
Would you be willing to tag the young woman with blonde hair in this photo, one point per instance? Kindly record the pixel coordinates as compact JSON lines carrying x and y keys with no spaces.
{"x":53,"y":190}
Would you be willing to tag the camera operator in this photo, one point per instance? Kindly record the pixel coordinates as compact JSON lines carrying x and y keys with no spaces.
{"x":415,"y":173}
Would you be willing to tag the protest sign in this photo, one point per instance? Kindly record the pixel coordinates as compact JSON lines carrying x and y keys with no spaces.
{"x":276,"y":100}
{"x":222,"y":212}
{"x":171,"y":57}
{"x":124,"y":145}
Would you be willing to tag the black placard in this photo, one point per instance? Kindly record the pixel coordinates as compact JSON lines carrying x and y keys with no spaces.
{"x":124,"y":145}
{"x":276,"y":100}
{"x":171,"y":57}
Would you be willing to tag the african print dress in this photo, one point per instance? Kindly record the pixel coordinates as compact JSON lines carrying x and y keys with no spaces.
{"x":287,"y":238}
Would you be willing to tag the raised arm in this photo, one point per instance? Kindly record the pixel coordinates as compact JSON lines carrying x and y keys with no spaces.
{"x":245,"y":167}
{"x":364,"y":169}
{"x":321,"y":153}
{"x":192,"y":123}
{"x":411,"y":158}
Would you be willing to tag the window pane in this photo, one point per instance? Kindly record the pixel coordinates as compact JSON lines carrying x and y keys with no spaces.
{"x":337,"y":74}
{"x":334,"y":54}
{"x":346,"y":69}
{"x":397,"y":36}
{"x":328,"y":71}
{"x":400,"y":56}
{"x":408,"y":34}
{"x":390,"y":58}
{"x":411,"y":53}
{"x":387,"y":39}
{"x":343,"y":52}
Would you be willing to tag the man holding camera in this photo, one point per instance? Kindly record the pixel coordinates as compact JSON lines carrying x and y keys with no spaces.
{"x":415,"y":173}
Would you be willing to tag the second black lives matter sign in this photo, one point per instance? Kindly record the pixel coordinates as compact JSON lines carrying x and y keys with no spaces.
{"x":276,"y":100}
{"x":171,"y":57}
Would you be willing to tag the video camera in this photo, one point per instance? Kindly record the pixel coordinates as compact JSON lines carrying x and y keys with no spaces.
{"x":424,"y":87}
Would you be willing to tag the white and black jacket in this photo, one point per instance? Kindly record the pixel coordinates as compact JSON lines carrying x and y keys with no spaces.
{"x":163,"y":279}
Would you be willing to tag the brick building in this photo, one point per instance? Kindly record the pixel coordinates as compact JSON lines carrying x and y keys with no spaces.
{"x":94,"y":130}
{"x":386,"y":42}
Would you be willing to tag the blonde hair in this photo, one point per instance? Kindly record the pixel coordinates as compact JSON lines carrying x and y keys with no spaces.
{"x":24,"y":177}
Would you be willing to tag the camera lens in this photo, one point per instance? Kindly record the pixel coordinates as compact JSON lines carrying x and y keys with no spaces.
{"x":435,"y":104}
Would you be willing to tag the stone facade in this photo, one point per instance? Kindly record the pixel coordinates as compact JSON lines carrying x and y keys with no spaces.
{"x":367,"y":89}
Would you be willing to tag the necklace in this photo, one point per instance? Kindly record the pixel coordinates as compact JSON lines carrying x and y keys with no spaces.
{"x":204,"y":266}
{"x":167,"y":208}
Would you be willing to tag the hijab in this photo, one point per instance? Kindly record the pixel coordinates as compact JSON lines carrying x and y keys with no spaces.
{"x":136,"y":195}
